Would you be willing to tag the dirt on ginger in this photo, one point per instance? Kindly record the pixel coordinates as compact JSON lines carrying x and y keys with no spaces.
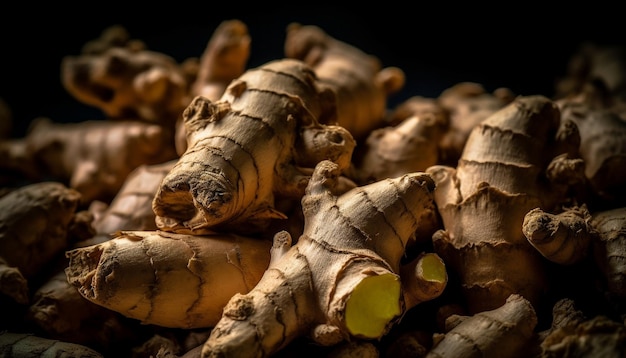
{"x":341,"y":278}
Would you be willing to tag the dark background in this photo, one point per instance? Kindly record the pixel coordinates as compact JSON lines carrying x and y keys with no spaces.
{"x":522,"y":46}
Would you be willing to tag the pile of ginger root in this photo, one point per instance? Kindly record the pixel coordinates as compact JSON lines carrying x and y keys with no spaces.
{"x":223,"y":210}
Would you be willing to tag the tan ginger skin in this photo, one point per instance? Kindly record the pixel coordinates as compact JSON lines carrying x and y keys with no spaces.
{"x":93,"y":157}
{"x":141,"y":274}
{"x":467,"y":104}
{"x":223,"y":60}
{"x":341,"y":278}
{"x":251,"y":146}
{"x":602,"y":142}
{"x":360,"y":81}
{"x":502,"y":332}
{"x":411,"y":144}
{"x":562,"y":238}
{"x":131,"y":208}
{"x":128,"y":83}
{"x":520,"y":158}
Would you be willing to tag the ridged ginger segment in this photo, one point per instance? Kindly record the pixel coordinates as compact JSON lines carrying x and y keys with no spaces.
{"x":341,"y":278}
{"x":514,"y":161}
{"x":361,"y":83}
{"x":141,"y":275}
{"x":502,"y":332}
{"x":240,"y":151}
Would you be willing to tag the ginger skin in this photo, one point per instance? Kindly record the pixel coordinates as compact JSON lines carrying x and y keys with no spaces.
{"x":411,"y":145}
{"x":131,"y":208}
{"x":562,"y":238}
{"x":502,"y":175}
{"x":361,"y":83}
{"x":332,"y":284}
{"x":140,"y":274}
{"x":240,"y":153}
{"x":128,"y":83}
{"x":602,"y":143}
{"x":93,"y":157}
{"x":223,"y":60}
{"x":467,"y":104}
{"x":59,"y":310}
{"x":501,"y":332}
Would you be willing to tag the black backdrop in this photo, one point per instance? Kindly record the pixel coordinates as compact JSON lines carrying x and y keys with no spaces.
{"x":522,"y":46}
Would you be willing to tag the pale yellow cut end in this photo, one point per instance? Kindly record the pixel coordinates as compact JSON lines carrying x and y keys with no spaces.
{"x":374,"y":302}
{"x":433,"y":269}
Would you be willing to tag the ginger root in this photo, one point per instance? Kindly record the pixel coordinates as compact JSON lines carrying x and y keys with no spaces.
{"x":59,"y":310}
{"x":519,"y":158}
{"x":602,"y":144}
{"x":361,"y":83}
{"x":562,"y":238}
{"x":411,"y":145}
{"x":93,"y":157}
{"x":128,"y":83}
{"x":501,"y":332}
{"x":30,"y":345}
{"x":252,"y":145}
{"x":595,"y":337}
{"x":609,"y":253}
{"x":131,"y":208}
{"x":341,"y":278}
{"x":34,"y":222}
{"x":141,"y":274}
{"x":223,"y":61}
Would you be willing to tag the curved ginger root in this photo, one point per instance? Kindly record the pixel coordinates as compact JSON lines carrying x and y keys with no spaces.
{"x":131,"y":208}
{"x":127,"y":82}
{"x":141,"y":275}
{"x":602,"y":143}
{"x":467,"y":104}
{"x":361,"y":83}
{"x":340,"y":279}
{"x":411,"y":144}
{"x":562,"y":238}
{"x":241,"y":154}
{"x":502,"y":175}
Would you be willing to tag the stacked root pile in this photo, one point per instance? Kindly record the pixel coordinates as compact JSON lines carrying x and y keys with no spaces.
{"x":225,"y":210}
